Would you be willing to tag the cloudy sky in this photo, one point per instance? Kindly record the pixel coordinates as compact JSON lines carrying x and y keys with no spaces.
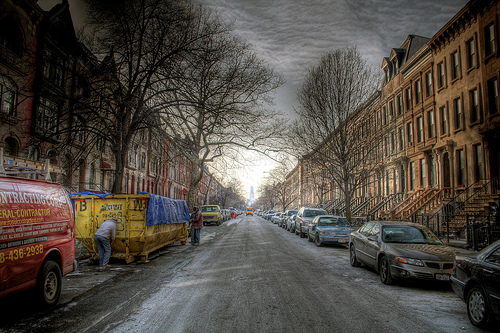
{"x":291,"y":35}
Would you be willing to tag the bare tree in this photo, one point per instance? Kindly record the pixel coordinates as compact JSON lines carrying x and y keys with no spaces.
{"x":231,"y":195}
{"x":277,"y":190}
{"x":142,"y":38}
{"x":220,"y":89}
{"x":333,"y":101}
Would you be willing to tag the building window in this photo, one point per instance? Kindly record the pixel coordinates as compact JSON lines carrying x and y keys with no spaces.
{"x":399,"y":105}
{"x":423,"y":173}
{"x":474,"y":106}
{"x":11,"y":38}
{"x":393,"y":142}
{"x":132,"y":156}
{"x":432,"y":171}
{"x":428,"y":84}
{"x":478,"y":161}
{"x":457,"y":105}
{"x":408,"y":98}
{"x":46,"y":118}
{"x":444,"y":120}
{"x":384,"y":115}
{"x":391,"y":109}
{"x":143,"y":160}
{"x":386,"y":146}
{"x":7,"y":96}
{"x":493,"y":95}
{"x":418,"y":92}
{"x":441,"y":75}
{"x":54,"y":68}
{"x":462,"y":172}
{"x":401,"y":139}
{"x":489,"y":39}
{"x":410,"y":134}
{"x":420,"y":130}
{"x":471,"y":53}
{"x":412,"y":175}
{"x":387,"y":75}
{"x":455,"y":65}
{"x":431,"y":124}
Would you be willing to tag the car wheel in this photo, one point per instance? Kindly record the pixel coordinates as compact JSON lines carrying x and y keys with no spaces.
{"x":317,"y":241}
{"x":309,"y":237}
{"x":301,"y":234}
{"x":352,"y":257}
{"x":477,"y":307}
{"x":385,"y":271}
{"x":296,"y":231}
{"x":49,"y":283}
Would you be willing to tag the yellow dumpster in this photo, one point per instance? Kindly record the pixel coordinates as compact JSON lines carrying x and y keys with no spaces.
{"x":145,"y":222}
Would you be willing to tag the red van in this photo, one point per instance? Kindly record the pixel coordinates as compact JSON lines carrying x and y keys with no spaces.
{"x":37,"y":237}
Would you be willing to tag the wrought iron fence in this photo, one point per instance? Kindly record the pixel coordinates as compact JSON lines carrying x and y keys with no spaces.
{"x":478,"y":232}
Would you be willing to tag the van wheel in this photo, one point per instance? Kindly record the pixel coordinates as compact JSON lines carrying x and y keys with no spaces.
{"x":49,"y":283}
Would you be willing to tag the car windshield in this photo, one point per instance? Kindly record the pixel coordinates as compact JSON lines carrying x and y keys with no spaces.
{"x":209,"y":209}
{"x":292,"y":212}
{"x":314,"y":213}
{"x":333,"y":222}
{"x":408,"y":234}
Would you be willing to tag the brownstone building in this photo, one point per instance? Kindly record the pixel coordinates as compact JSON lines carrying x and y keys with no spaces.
{"x":439,"y":120}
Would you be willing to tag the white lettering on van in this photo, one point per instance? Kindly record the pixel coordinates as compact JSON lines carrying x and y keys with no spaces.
{"x":31,"y":198}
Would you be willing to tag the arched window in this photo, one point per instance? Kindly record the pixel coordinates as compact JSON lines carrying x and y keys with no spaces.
{"x":11,"y":37}
{"x":7,"y":95}
{"x":11,"y":147}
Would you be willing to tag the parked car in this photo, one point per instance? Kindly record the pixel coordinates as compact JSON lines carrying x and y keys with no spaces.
{"x":329,"y":229}
{"x":288,"y":213}
{"x":401,"y":250}
{"x":211,"y":214}
{"x":290,"y":223}
{"x":269,"y":214}
{"x":281,"y":219}
{"x":225,"y":215}
{"x":476,"y":280}
{"x":304,"y":217}
{"x":275,"y":217}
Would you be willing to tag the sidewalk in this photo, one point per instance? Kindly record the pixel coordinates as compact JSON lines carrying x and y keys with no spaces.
{"x":461,"y":246}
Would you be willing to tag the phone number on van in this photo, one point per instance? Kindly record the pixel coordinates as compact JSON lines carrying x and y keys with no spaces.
{"x":21,"y":253}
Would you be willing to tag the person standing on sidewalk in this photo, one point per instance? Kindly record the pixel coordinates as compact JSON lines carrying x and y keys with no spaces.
{"x":196,"y":225}
{"x":104,"y":237}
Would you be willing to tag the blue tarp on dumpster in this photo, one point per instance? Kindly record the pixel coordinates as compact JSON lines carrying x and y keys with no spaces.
{"x":166,"y":210}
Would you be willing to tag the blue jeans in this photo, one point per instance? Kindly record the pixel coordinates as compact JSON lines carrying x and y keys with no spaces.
{"x":104,"y":247}
{"x":195,"y":238}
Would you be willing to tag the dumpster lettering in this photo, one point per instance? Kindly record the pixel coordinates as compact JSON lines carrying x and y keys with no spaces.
{"x":140,"y":204}
{"x":113,"y":215}
{"x":111,"y":207}
{"x":82,"y":204}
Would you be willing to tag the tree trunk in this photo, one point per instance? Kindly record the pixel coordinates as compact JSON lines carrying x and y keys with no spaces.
{"x":348,"y":197}
{"x":119,"y":172}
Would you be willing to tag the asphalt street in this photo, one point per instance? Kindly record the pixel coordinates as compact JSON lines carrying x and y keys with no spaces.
{"x":248,"y":275}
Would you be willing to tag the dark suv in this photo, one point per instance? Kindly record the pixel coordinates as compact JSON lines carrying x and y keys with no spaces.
{"x":304,"y":218}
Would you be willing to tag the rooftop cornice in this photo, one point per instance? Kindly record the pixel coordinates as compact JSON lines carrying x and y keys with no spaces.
{"x":464,"y":18}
